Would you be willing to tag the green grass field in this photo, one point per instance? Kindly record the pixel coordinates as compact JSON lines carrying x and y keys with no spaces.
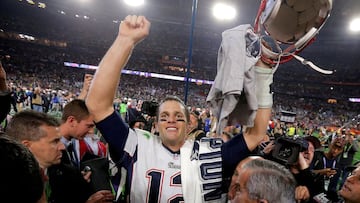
{"x":356,"y":157}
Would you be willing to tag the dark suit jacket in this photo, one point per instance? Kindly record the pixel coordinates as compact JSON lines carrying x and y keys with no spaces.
{"x":5,"y":101}
{"x":67,"y":183}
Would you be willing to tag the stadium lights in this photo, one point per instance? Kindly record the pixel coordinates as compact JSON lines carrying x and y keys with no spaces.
{"x":223,"y":11}
{"x":134,"y":2}
{"x":31,"y":2}
{"x":41,"y":5}
{"x":355,"y":25}
{"x":27,"y":37}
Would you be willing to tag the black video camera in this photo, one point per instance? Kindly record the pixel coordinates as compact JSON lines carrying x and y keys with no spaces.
{"x":149,"y":107}
{"x":286,"y":150}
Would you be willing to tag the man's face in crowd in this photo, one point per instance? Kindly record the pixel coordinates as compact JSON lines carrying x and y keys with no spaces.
{"x":351,"y":188}
{"x":172,"y":123}
{"x":83,"y":127}
{"x":335,"y":150}
{"x":139,"y":125}
{"x":242,"y":194}
{"x":193,"y":121}
{"x":47,"y":150}
{"x":236,"y":180}
{"x":309,"y":153}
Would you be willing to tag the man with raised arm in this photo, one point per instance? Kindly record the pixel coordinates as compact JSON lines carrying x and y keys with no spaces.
{"x":168,"y":167}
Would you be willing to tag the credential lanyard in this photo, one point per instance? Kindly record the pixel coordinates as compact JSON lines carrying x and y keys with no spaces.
{"x":333,"y":165}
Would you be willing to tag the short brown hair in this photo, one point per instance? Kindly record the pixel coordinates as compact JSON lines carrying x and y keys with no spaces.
{"x":177,"y":99}
{"x":25,"y":125}
{"x":76,"y":108}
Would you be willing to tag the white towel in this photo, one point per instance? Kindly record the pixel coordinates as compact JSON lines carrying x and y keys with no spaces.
{"x":232,"y":97}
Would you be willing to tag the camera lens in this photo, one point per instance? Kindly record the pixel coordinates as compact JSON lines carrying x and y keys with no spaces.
{"x":87,"y":169}
{"x":285,"y":152}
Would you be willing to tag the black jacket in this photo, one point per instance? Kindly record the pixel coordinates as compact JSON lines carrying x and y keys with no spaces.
{"x":5,"y":101}
{"x":307,"y":178}
{"x":67,"y":183}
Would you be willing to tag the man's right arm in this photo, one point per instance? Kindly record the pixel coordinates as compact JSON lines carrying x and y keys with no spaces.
{"x":105,"y":83}
{"x":107,"y":77}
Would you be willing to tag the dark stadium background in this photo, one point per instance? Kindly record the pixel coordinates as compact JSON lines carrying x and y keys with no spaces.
{"x":335,"y":47}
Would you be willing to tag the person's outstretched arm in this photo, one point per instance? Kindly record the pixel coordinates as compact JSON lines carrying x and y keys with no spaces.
{"x":243,"y":145}
{"x":106,"y":79}
{"x":86,"y":86}
{"x":264,"y":78}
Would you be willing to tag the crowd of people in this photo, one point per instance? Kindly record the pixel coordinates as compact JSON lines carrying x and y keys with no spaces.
{"x":78,"y":135}
{"x":86,"y":50}
{"x":30,"y":65}
{"x":181,"y":145}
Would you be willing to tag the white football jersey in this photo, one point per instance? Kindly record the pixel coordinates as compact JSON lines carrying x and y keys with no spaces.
{"x":159,"y":178}
{"x":155,"y":172}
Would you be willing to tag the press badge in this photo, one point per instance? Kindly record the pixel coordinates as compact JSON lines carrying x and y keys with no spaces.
{"x":345,"y":155}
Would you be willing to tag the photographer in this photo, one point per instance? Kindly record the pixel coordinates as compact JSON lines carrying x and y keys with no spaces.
{"x":135,"y":119}
{"x":149,"y":108}
{"x":301,"y":170}
{"x":324,"y":166}
{"x":298,"y":162}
